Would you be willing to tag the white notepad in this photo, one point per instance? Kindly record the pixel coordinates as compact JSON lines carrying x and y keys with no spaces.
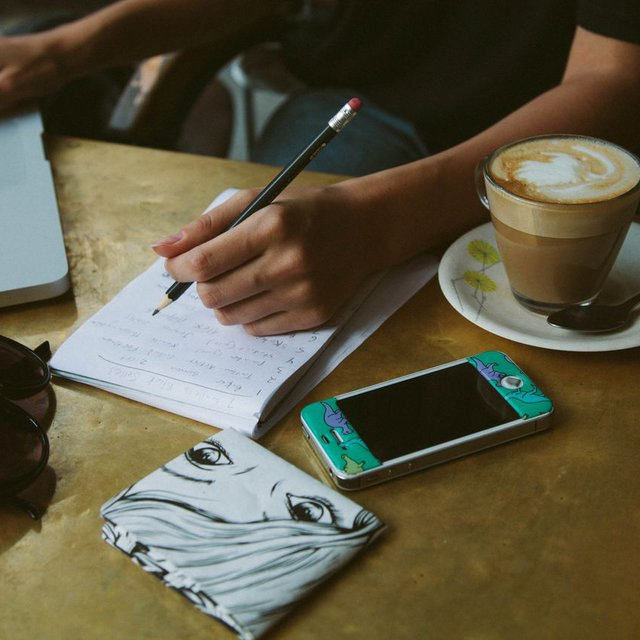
{"x":184,"y":361}
{"x":33,"y":262}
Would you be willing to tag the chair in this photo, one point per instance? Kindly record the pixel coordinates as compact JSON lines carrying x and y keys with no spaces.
{"x":260,"y":69}
{"x":159,"y":97}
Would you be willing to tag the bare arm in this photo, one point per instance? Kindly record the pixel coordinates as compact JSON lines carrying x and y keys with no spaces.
{"x":292,"y":264}
{"x":123,"y":32}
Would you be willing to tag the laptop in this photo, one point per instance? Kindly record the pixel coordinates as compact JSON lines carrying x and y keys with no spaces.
{"x":33,"y":261}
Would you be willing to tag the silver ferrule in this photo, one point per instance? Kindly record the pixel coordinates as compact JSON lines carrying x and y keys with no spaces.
{"x":342,"y":118}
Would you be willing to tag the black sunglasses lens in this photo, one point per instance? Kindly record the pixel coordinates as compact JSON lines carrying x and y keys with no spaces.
{"x":24,"y":448}
{"x":21,"y":370}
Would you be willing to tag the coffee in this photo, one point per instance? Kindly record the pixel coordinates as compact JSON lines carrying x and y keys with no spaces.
{"x":561,"y":207}
{"x":570,"y":170}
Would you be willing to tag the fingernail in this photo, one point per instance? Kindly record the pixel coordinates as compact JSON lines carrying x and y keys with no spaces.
{"x":168,"y":240}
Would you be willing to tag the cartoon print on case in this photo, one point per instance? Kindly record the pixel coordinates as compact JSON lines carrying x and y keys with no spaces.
{"x":511,"y":383}
{"x":342,"y":444}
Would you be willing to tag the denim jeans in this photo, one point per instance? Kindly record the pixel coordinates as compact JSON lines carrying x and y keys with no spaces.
{"x":373,"y":141}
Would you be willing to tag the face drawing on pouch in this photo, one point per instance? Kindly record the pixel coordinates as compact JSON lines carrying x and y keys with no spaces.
{"x":244,"y":492}
{"x":250,"y":539}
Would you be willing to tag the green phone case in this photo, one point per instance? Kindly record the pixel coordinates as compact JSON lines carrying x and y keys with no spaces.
{"x":346,"y":449}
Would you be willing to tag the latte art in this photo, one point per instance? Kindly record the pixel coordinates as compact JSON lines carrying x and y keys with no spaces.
{"x":565,"y":170}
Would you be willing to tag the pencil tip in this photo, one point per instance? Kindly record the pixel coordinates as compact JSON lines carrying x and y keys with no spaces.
{"x":165,"y":302}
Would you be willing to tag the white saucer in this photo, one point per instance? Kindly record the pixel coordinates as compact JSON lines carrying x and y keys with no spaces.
{"x":473,"y":280}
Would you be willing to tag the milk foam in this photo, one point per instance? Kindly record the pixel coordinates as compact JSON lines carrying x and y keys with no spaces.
{"x":565,"y":170}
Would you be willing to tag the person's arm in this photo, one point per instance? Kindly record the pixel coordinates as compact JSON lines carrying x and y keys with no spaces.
{"x":37,"y":64}
{"x":599,"y":96}
{"x":292,"y":264}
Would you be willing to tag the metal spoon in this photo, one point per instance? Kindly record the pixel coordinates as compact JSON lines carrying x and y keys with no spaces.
{"x":594,"y":317}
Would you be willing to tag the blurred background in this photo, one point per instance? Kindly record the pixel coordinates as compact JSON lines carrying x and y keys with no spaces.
{"x":223,"y":117}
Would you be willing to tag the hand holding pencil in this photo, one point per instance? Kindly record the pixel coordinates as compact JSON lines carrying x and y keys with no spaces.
{"x":241,"y":270}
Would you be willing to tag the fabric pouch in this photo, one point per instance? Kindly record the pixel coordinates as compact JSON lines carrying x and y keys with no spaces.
{"x":241,"y":533}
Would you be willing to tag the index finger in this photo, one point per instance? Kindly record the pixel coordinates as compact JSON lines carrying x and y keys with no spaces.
{"x":210,"y":224}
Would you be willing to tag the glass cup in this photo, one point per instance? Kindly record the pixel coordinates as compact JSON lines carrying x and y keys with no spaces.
{"x":561,"y":206}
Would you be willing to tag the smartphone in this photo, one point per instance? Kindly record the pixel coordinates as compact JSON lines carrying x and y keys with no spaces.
{"x":396,"y":427}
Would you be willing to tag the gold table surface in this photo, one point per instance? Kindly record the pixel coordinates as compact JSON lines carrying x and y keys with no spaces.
{"x":534,"y":539}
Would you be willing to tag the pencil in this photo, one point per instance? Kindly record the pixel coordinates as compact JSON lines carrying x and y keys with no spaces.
{"x":279,"y":183}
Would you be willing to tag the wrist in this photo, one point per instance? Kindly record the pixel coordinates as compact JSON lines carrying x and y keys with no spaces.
{"x":67,"y":47}
{"x":394,"y":209}
{"x":358,"y":220}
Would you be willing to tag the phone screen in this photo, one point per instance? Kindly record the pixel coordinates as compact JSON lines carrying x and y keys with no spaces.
{"x":426,"y":410}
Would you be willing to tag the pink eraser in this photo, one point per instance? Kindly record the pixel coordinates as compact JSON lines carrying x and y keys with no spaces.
{"x":355,"y":104}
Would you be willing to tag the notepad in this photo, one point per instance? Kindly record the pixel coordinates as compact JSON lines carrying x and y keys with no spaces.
{"x":238,"y":531}
{"x":184,"y":361}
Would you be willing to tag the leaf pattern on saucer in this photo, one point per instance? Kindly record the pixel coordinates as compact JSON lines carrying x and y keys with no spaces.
{"x":487,"y":255}
{"x":480,"y":281}
{"x":483,"y":252}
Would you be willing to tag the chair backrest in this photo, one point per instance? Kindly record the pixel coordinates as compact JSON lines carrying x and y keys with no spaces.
{"x":162,"y":89}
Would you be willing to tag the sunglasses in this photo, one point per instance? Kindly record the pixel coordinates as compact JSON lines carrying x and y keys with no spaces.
{"x":24,"y":446}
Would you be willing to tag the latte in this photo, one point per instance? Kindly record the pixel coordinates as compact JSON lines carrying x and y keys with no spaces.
{"x":561,"y":207}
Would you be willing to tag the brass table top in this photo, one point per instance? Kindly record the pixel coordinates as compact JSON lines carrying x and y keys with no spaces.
{"x":533,"y":539}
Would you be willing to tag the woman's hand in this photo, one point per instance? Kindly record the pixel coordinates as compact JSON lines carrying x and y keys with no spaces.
{"x":289,"y":266}
{"x":30,"y":67}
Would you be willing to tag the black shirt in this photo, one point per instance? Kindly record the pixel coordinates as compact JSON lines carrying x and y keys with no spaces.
{"x":452,"y":67}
